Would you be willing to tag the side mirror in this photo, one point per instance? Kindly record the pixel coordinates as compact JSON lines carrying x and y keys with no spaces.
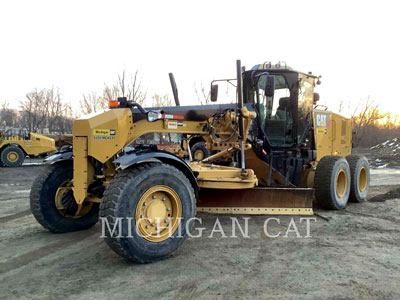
{"x":316,"y":98}
{"x":269,"y":86}
{"x":214,"y":92}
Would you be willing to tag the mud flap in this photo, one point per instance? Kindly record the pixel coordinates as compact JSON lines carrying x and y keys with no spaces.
{"x":257,"y":201}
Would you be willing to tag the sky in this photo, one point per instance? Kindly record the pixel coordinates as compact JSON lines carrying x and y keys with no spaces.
{"x":79,"y":46}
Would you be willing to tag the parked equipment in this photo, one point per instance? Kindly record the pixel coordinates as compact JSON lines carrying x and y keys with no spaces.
{"x":61,"y":140}
{"x":269,"y":153}
{"x":16,"y":144}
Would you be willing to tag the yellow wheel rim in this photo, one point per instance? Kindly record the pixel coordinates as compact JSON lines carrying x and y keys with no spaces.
{"x":65,"y":187}
{"x":198,"y":155}
{"x":158,"y":213}
{"x":341,"y":183}
{"x":12,"y":156}
{"x":362,"y":179}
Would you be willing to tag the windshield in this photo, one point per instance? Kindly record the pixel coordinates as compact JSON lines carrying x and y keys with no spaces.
{"x":275,"y":112}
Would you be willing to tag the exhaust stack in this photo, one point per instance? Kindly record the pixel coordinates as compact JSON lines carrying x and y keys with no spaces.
{"x":174,"y":88}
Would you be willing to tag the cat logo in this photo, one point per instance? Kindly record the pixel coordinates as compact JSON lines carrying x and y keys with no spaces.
{"x":322,"y":120}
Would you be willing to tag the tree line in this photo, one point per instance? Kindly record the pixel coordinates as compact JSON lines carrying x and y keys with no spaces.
{"x":40,"y":111}
{"x":46,"y":111}
{"x":372,"y":126}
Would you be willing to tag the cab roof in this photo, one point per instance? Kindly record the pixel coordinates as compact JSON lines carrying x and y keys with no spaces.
{"x":267,"y":66}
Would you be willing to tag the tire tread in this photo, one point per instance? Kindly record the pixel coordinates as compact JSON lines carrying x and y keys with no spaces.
{"x":4,"y":162}
{"x":38,"y":185}
{"x":353,"y":160}
{"x":322,"y":182}
{"x":109,"y":203}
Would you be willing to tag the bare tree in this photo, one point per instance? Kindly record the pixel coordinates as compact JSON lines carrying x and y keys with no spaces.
{"x":54,"y":108}
{"x":162,"y":101}
{"x":35,"y":110}
{"x":341,"y":106}
{"x":365,"y":116}
{"x":130,"y":88}
{"x":111,"y":92}
{"x":8,"y":116}
{"x":65,"y":121}
{"x":45,"y":110}
{"x":92,"y":103}
{"x":126,"y":86}
{"x":202,"y":96}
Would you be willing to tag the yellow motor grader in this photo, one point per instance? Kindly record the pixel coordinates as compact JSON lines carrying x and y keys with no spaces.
{"x":271,"y":152}
{"x":16,"y":144}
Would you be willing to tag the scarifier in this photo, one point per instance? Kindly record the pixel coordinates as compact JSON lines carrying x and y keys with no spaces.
{"x":271,"y":151}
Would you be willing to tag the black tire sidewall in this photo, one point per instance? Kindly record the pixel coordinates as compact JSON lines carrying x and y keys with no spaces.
{"x":137,"y":186}
{"x":202,"y":147}
{"x":48,"y":211}
{"x":21,"y":156}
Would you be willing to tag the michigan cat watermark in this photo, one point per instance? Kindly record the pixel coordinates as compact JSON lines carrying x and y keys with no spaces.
{"x":233,"y":227}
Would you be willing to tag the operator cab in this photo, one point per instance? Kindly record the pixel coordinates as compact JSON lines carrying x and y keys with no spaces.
{"x":17,"y":134}
{"x":284,"y":115}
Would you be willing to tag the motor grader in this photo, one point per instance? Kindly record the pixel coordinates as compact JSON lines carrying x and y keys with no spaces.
{"x":273,"y":150}
{"x":16,"y":144}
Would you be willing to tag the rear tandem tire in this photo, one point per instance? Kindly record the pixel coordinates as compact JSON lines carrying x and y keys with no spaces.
{"x":43,"y":205}
{"x":145,"y":185}
{"x":332,"y":182}
{"x":360,"y":177}
{"x":199,"y":151}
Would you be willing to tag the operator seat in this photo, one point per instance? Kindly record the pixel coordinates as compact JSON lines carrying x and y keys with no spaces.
{"x":283,"y":108}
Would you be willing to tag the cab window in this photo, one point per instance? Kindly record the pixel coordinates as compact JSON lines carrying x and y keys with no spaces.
{"x":275,"y":112}
{"x":305,"y":105}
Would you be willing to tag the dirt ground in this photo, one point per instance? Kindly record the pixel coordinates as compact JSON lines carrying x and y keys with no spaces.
{"x":351,"y":254}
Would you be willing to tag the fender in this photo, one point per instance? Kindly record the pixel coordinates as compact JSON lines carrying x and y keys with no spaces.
{"x":58,"y":157}
{"x":135,"y":157}
{"x":15,"y":145}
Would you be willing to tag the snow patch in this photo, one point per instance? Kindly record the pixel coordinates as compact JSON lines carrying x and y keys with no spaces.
{"x":382,"y":167}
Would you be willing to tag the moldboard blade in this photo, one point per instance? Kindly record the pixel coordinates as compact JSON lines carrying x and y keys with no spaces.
{"x":257,"y":201}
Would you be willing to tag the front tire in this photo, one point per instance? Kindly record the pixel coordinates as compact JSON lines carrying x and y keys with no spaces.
{"x":53,"y":205}
{"x":12,"y":156}
{"x":332,"y":182}
{"x":360,"y":177}
{"x":140,"y":203}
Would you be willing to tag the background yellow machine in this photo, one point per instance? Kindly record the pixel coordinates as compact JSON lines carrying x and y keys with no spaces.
{"x":16,"y":144}
{"x":271,"y":151}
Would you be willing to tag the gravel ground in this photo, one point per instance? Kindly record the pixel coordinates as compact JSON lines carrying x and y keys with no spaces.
{"x":351,"y":254}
